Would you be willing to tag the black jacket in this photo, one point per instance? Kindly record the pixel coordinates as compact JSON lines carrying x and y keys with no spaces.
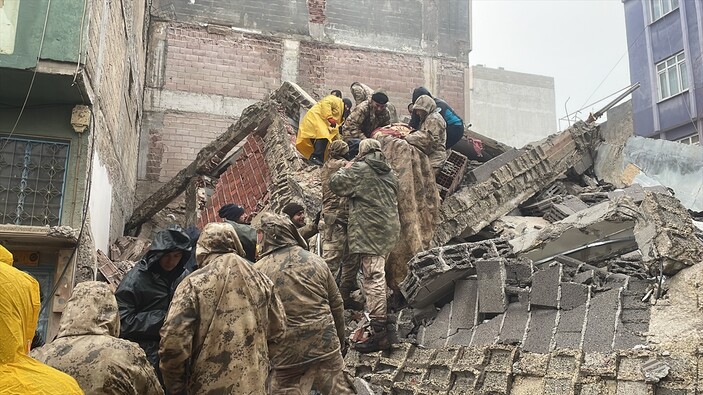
{"x":146,"y":291}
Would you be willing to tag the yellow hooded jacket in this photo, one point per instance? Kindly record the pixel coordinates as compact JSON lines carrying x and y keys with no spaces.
{"x":19,"y":312}
{"x":315,"y":125}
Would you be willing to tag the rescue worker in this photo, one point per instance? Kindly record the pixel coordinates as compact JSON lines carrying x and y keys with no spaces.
{"x":373,"y":231}
{"x":19,"y":313}
{"x":360,"y":92}
{"x":314,"y":314}
{"x":221,"y":322}
{"x":334,"y":213}
{"x":296,"y":214}
{"x":431,"y":135}
{"x":145,"y":292}
{"x":234,"y":215}
{"x":319,"y":127}
{"x":336,"y":92}
{"x":455,"y":125}
{"x":367,"y":116}
{"x":88,"y":349}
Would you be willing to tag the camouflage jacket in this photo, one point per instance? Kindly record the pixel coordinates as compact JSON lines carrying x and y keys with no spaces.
{"x":334,"y":207}
{"x":314,"y":307}
{"x":87,"y":347}
{"x":431,"y":136}
{"x":222,"y":317}
{"x":372,"y":189}
{"x":363,"y":120}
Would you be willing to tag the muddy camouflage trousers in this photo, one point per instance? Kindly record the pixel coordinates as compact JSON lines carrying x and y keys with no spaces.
{"x":373,"y":283}
{"x":327,"y":376}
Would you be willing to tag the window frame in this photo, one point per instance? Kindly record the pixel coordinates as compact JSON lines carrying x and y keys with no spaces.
{"x":689,"y":139}
{"x":681,"y":71}
{"x":674,"y":4}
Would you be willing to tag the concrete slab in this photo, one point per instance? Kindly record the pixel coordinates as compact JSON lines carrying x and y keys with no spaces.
{"x":491,"y":286}
{"x":545,"y":286}
{"x":539,"y":333}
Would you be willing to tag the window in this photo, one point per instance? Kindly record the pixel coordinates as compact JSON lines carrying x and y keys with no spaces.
{"x":692,"y":139}
{"x":671,"y":76}
{"x":32,"y":179}
{"x":659,"y":8}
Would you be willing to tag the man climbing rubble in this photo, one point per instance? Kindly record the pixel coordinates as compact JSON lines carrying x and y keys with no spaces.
{"x":373,"y":231}
{"x":335,"y":213}
{"x":431,"y":134}
{"x":19,"y":312}
{"x":319,"y":127}
{"x":88,"y":349}
{"x":222,"y":318}
{"x":310,"y":353}
{"x":296,"y":213}
{"x":146,"y":291}
{"x":367,"y":116}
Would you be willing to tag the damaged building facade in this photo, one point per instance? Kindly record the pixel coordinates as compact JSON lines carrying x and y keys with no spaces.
{"x":72,"y":79}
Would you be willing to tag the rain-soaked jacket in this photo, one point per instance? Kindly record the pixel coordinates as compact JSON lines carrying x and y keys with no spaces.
{"x":88,"y":349}
{"x":364,"y":119}
{"x":372,"y":188}
{"x":314,"y":307}
{"x":215,"y":336}
{"x":19,"y":312}
{"x":145,"y":292}
{"x":455,"y":125}
{"x":431,"y":135}
{"x":334,"y":207}
{"x":315,"y":124}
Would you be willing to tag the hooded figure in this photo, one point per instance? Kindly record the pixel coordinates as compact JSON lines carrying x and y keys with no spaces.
{"x":145,"y":292}
{"x":233,"y":214}
{"x":374,"y":227}
{"x":19,"y":312}
{"x":334,"y":211}
{"x":221,"y":320}
{"x":455,"y":125}
{"x":314,"y":313}
{"x":431,"y":136}
{"x":319,"y":127}
{"x":87,"y":346}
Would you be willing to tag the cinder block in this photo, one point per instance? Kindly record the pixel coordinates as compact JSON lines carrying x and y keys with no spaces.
{"x":515,"y":324}
{"x":539,"y":333}
{"x":634,"y":388}
{"x":487,"y":333}
{"x":573,"y":295}
{"x":602,"y":315}
{"x":545,"y":286}
{"x":435,"y":334}
{"x":559,"y":386}
{"x":491,"y":286}
{"x":464,"y":305}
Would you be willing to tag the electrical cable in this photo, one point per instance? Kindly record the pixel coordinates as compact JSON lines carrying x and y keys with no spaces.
{"x":80,"y":43}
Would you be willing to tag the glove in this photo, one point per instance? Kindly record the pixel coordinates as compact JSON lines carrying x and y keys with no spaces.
{"x":332,"y":121}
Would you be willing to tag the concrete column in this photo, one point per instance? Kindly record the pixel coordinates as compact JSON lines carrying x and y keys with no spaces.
{"x":468,"y":85}
{"x":429,"y":70}
{"x":289,"y":64}
{"x":156,"y":55}
{"x":430,"y":27}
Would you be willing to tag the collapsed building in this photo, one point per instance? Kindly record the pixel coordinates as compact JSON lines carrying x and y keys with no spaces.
{"x":539,"y":275}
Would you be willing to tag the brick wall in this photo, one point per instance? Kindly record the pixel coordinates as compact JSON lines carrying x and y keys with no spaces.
{"x":243,"y":183}
{"x":238,"y":65}
{"x":450,"y":85}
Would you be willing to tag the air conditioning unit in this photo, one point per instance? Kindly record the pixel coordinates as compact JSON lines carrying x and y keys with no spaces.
{"x":27,"y":258}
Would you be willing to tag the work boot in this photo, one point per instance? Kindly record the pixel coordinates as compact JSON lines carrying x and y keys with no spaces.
{"x":378,"y":340}
{"x":318,"y":154}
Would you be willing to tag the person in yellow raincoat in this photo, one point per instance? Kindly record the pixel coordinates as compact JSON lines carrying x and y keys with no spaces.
{"x":319,"y":127}
{"x":19,"y":311}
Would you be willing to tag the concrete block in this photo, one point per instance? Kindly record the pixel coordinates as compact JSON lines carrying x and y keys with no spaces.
{"x":486,"y":170}
{"x":545,"y":286}
{"x":496,"y":383}
{"x":487,"y":333}
{"x":435,"y":334}
{"x":518,"y":273}
{"x":464,"y":305}
{"x":572,"y":320}
{"x":599,"y":387}
{"x":539,"y":333}
{"x":598,"y":364}
{"x":491,"y":286}
{"x":567,"y":340}
{"x":559,"y":386}
{"x":573,"y":295}
{"x":524,"y":385}
{"x":602,"y":315}
{"x":635,"y":315}
{"x":630,"y":368}
{"x":586,"y":277}
{"x":634,"y":388}
{"x":438,"y":377}
{"x":514,"y":325}
{"x":564,"y":365}
{"x":424,"y":314}
{"x":460,"y":337}
{"x":532,"y":364}
{"x":501,"y":358}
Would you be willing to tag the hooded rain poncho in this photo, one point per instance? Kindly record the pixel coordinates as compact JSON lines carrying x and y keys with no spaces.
{"x":315,"y":124}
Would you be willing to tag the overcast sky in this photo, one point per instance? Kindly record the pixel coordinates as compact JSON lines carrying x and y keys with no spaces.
{"x":578,"y":42}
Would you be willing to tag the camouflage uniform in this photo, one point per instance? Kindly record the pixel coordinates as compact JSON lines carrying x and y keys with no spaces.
{"x":431,"y":136}
{"x":214,"y":338}
{"x":360,"y":92}
{"x":309,"y":354}
{"x":334,"y":211}
{"x":374,"y":225}
{"x":88,"y":349}
{"x":363,"y":120}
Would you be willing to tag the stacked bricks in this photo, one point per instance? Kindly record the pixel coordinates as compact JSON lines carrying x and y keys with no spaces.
{"x":474,"y":206}
{"x":244,"y":182}
{"x":201,"y":62}
{"x":503,"y":369}
{"x":451,"y":174}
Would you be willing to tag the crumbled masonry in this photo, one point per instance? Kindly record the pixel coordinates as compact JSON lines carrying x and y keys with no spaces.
{"x":542,"y":279}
